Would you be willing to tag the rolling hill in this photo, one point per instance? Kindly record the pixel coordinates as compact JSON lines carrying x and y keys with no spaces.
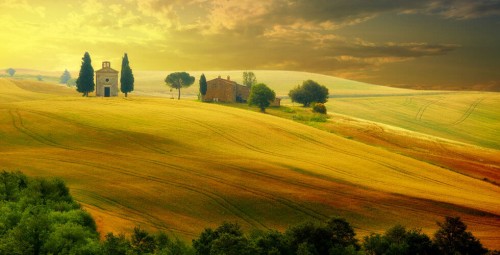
{"x":467,"y":117}
{"x":280,"y":81}
{"x":182,"y":165}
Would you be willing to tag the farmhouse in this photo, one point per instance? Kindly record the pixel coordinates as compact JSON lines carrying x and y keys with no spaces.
{"x":225,"y":90}
{"x":106,"y":81}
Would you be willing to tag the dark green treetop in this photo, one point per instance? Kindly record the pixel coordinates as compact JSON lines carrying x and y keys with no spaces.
{"x":310,"y":91}
{"x":261,"y":96}
{"x":126,"y":77}
{"x":85,"y":82}
{"x":178,"y":80}
{"x":203,"y":85}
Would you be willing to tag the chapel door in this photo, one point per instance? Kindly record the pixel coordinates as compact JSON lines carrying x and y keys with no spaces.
{"x":107,"y":91}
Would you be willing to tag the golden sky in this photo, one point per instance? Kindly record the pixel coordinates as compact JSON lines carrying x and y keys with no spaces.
{"x":424,"y":42}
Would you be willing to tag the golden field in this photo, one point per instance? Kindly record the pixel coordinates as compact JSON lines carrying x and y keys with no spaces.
{"x":181,"y":166}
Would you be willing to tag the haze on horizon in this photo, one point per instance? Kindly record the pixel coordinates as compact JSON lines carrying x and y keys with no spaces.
{"x":388,"y":42}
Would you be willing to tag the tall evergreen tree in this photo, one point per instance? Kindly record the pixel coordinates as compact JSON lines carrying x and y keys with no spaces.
{"x":85,"y":82}
{"x":126,"y":77}
{"x":203,"y":85}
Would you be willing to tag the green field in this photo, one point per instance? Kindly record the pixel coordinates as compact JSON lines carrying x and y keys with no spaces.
{"x":183,"y":165}
{"x":468,"y":117}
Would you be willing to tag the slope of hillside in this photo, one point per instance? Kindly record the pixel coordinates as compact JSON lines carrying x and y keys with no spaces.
{"x":468,"y":117}
{"x":182,"y":166}
{"x":151,"y":83}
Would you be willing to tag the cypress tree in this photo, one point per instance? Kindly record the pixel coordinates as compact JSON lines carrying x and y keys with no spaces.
{"x":203,"y":85}
{"x":85,"y":82}
{"x":126,"y":77}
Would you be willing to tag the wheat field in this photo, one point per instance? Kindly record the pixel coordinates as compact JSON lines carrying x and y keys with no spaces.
{"x":182,"y":165}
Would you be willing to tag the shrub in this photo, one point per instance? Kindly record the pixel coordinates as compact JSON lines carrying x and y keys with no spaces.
{"x":319,"y":118}
{"x":319,"y":108}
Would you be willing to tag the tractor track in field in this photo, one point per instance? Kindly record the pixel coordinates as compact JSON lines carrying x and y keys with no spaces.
{"x":422,"y":109}
{"x":149,"y":220}
{"x":286,"y":202}
{"x":239,"y":142}
{"x":408,"y":101}
{"x":122,"y":134}
{"x":244,"y":144}
{"x":221,"y":201}
{"x":351,"y":196}
{"x":367,"y":158}
{"x":18,"y":124}
{"x":337,"y":192}
{"x":249,"y":146}
{"x":468,"y":112}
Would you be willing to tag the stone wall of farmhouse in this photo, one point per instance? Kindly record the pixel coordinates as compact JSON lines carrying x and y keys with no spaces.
{"x":220,"y":90}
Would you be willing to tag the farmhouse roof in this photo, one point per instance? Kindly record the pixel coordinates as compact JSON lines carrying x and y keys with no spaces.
{"x":106,"y":68}
{"x":228,"y":81}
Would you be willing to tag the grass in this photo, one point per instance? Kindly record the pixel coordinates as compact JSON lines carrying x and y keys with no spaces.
{"x":182,"y":165}
{"x":468,"y":117}
{"x":471,"y":160}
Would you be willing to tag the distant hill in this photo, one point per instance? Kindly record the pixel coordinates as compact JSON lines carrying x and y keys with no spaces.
{"x":489,"y":86}
{"x":151,"y":83}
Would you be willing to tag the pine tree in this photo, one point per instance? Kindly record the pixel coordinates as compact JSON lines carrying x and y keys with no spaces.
{"x":126,"y":77}
{"x":85,"y":82}
{"x":203,"y":85}
{"x":178,"y":80}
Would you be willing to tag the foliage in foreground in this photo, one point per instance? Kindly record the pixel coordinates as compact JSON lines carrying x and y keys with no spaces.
{"x":39,"y":216}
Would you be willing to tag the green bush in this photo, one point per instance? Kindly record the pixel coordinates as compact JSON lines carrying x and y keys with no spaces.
{"x":319,"y":108}
{"x":319,"y":118}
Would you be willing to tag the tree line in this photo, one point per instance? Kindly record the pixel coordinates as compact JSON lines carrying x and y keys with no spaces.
{"x":260,"y":94}
{"x":39,"y":216}
{"x":85,"y":81}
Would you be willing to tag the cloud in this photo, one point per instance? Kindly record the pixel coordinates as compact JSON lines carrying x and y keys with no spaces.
{"x":463,"y":9}
{"x":300,"y":35}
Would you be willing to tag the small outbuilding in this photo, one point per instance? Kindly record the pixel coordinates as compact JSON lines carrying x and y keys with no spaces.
{"x":276,"y":102}
{"x":106,"y":81}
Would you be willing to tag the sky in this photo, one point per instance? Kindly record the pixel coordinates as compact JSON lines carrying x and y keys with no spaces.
{"x":387,"y":42}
